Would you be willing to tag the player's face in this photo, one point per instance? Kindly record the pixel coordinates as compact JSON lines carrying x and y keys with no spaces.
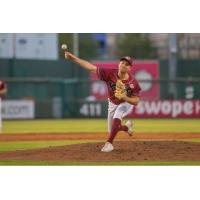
{"x":124,"y":66}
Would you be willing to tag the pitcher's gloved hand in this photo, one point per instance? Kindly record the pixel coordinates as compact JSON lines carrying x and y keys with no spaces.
{"x":120,"y":91}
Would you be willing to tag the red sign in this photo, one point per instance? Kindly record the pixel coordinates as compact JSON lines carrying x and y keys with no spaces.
{"x":168,"y":109}
{"x":141,"y":70}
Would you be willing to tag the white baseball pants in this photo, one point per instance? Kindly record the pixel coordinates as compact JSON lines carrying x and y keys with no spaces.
{"x":117,"y":111}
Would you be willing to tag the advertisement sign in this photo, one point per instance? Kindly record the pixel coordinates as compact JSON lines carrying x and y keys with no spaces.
{"x":168,"y":109}
{"x":18,"y":109}
{"x":147,"y":71}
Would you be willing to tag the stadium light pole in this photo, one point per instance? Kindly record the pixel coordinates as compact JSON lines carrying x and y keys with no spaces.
{"x":172,"y":63}
{"x":76,"y":44}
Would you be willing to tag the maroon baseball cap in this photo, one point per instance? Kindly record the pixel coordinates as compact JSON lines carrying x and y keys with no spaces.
{"x":128,"y":59}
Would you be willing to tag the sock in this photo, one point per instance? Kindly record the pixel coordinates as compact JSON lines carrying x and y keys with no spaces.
{"x":116,"y":126}
{"x":123,"y":128}
{"x":116,"y":123}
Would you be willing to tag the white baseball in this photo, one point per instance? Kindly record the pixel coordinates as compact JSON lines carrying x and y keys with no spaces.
{"x":64,"y":46}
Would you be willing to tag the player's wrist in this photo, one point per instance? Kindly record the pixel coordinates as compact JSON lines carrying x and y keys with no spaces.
{"x":124,"y":97}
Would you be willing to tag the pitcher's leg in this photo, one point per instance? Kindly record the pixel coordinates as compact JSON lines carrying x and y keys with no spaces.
{"x":110,"y":120}
{"x":115,"y":128}
{"x":111,"y":111}
{"x":121,"y":111}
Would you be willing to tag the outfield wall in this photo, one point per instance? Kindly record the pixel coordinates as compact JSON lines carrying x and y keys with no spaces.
{"x":28,"y":109}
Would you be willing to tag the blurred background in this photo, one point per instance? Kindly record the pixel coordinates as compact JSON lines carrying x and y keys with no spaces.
{"x":41,"y":84}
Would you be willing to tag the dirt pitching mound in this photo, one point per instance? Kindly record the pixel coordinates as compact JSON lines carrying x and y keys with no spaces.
{"x":124,"y":151}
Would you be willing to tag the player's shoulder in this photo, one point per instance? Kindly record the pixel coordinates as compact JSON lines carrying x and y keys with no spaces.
{"x":113,"y":70}
{"x":107,"y":70}
{"x":133,"y":80}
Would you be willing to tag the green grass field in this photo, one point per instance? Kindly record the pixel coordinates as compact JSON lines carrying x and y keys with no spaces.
{"x":88,"y":125}
{"x":100,"y":125}
{"x":12,"y":146}
{"x":45,"y":163}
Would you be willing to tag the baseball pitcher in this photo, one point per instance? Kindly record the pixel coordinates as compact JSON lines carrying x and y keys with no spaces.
{"x":2,"y":93}
{"x":123,"y":94}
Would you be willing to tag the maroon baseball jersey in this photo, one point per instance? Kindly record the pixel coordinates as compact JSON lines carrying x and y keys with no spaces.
{"x":2,"y":88}
{"x":110,"y":76}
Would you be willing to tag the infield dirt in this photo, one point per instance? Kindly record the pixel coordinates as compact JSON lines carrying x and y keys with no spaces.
{"x":141,"y":147}
{"x":124,"y":151}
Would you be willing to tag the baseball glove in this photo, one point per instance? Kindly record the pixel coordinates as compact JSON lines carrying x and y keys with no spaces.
{"x":120,"y":91}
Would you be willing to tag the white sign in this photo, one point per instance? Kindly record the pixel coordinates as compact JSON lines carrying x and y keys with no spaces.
{"x":6,"y":45}
{"x":168,"y":108}
{"x":18,"y":109}
{"x":91,"y":109}
{"x":29,"y":45}
{"x":36,"y":46}
{"x":144,"y":75}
